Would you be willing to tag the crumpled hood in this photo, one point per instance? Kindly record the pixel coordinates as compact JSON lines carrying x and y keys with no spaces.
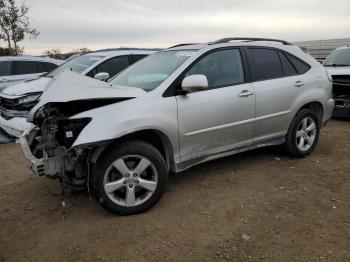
{"x":26,"y":87}
{"x":338,"y":70}
{"x":71,"y":86}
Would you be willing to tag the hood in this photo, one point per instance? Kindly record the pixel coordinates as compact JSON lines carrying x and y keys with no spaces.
{"x":338,"y":70}
{"x":29,"y":86}
{"x":71,"y":86}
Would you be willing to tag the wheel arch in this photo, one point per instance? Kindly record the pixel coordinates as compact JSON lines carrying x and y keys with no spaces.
{"x":315,"y":106}
{"x":155,"y":137}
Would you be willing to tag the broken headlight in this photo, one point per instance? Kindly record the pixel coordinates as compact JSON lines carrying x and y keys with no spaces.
{"x":69,"y":130}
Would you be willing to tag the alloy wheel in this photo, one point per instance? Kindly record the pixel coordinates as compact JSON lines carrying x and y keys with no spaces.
{"x":130,"y":180}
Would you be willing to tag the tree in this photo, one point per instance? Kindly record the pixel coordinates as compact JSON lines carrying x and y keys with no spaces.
{"x":15,"y":25}
{"x":81,"y":50}
{"x":53,"y":53}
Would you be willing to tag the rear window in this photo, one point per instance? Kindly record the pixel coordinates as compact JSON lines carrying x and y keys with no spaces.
{"x":300,"y":66}
{"x":5,"y":68}
{"x":49,"y":66}
{"x":288,"y":67}
{"x":266,"y":63}
{"x":136,"y":58}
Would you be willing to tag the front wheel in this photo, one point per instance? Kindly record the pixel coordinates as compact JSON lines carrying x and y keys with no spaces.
{"x":130,"y":179}
{"x":303,"y":133}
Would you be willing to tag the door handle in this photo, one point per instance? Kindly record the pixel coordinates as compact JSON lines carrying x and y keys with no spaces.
{"x":245,"y":93}
{"x":299,"y":84}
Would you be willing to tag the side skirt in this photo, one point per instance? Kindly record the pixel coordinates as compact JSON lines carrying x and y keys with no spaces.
{"x":181,"y":166}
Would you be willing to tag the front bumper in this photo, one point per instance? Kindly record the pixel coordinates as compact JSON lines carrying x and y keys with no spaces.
{"x":36,"y":165}
{"x":328,"y":111}
{"x":342,"y":108}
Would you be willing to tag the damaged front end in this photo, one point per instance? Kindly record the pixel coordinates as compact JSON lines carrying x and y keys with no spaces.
{"x":341,"y":92}
{"x":47,"y":143}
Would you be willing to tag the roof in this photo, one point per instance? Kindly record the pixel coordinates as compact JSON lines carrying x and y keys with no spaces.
{"x":344,"y":47}
{"x":31,"y":58}
{"x":119,"y":52}
{"x":233,"y":41}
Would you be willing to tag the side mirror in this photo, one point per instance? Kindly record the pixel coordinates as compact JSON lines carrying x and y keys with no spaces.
{"x":102,"y":76}
{"x":195,"y":83}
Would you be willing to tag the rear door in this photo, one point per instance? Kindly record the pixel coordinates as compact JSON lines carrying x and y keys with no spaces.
{"x":5,"y":74}
{"x":221,"y":118}
{"x":277,"y":85}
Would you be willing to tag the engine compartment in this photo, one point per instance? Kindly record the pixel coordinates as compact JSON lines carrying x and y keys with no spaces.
{"x":54,"y":135}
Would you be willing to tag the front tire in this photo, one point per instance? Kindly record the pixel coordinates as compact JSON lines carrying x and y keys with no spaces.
{"x":130,"y":179}
{"x":303,"y":133}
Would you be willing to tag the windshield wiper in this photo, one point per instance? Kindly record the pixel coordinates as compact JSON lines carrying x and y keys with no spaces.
{"x":336,"y":65}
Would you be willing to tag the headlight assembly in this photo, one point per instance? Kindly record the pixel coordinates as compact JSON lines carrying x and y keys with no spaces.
{"x":29,"y":98}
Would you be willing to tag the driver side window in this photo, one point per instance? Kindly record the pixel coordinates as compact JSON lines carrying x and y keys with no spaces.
{"x":222,"y":68}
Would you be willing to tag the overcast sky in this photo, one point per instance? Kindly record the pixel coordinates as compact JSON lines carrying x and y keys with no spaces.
{"x":68,"y":24}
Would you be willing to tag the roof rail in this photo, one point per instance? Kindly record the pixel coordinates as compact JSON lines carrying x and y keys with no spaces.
{"x":228,"y":39}
{"x":181,"y":45}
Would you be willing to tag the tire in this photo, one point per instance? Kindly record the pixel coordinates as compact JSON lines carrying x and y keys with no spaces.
{"x":296,"y":132}
{"x":139,"y":187}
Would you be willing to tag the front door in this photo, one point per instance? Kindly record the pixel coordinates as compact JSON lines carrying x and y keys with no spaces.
{"x":221,"y":118}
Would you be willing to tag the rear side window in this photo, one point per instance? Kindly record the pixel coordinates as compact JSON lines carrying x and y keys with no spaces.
{"x":136,"y":58}
{"x":112,"y":66}
{"x":288,"y":67}
{"x":49,"y":66}
{"x":45,"y":67}
{"x":222,"y":68}
{"x":5,"y":68}
{"x":300,"y":66}
{"x":25,"y":67}
{"x":266,"y":63}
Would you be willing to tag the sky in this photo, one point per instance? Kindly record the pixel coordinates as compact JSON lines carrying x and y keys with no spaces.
{"x":97,"y":24}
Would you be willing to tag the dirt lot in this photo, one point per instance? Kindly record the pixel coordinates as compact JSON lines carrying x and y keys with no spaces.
{"x":256,"y":206}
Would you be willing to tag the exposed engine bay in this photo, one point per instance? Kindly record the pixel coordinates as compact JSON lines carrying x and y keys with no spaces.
{"x":54,"y":134}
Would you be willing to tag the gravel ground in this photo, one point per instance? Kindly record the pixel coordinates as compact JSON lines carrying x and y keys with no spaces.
{"x":256,"y":206}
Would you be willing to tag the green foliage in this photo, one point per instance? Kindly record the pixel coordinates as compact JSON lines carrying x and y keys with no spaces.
{"x":53,"y":53}
{"x":6,"y":52}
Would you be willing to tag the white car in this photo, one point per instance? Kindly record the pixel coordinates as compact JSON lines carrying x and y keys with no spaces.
{"x":338,"y":65}
{"x":17,"y":100}
{"x":175,"y":109}
{"x":14,"y":69}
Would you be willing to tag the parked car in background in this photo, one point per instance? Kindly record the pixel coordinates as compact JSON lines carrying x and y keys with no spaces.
{"x":14,"y":69}
{"x":338,"y":65}
{"x":17,"y":100}
{"x":175,"y":109}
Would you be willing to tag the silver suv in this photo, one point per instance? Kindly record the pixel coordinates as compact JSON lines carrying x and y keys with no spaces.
{"x":172,"y":110}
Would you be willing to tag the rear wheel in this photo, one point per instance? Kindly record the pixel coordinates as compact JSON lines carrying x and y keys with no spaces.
{"x":303,"y":133}
{"x":131,"y":178}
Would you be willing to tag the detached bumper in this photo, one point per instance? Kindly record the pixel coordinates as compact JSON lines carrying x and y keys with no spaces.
{"x":33,"y":163}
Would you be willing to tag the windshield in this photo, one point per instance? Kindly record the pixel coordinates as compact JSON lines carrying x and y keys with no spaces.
{"x":78,"y":64}
{"x":153,"y":70}
{"x":339,"y":57}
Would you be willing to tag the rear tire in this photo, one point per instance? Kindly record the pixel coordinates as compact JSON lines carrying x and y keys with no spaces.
{"x":129,"y":179}
{"x":303,"y":133}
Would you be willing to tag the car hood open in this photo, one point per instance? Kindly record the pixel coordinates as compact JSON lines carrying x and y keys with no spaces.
{"x":71,"y":86}
{"x":26,"y":87}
